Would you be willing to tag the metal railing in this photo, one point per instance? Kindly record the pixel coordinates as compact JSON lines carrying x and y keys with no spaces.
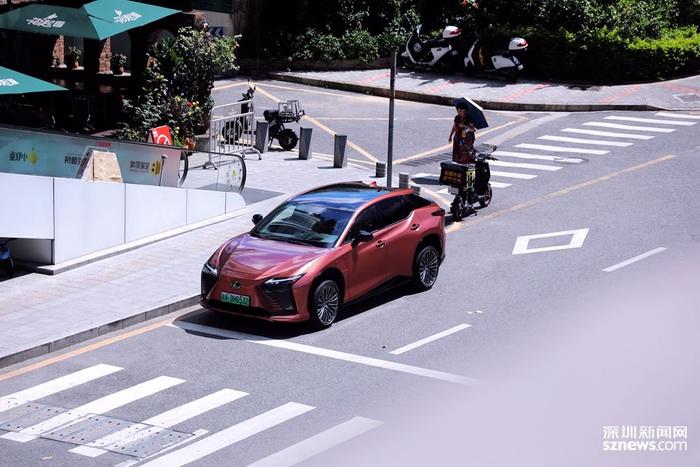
{"x":232,"y":129}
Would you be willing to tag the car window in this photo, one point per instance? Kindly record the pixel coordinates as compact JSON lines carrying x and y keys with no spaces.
{"x":391,"y":210}
{"x":414,"y":201}
{"x":366,"y":220}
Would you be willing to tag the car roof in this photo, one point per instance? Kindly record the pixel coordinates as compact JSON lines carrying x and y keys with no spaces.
{"x":342,"y":195}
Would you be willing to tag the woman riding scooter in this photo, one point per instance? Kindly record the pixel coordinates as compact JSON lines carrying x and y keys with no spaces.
{"x":463,"y":130}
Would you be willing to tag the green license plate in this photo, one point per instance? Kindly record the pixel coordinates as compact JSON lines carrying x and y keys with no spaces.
{"x":235,"y":299}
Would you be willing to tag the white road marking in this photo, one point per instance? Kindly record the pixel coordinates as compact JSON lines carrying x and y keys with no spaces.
{"x":164,"y":420}
{"x":230,"y":435}
{"x":577,"y":238}
{"x":545,"y":147}
{"x":522,"y":165}
{"x":56,"y":385}
{"x":606,"y":133}
{"x":424,"y":175}
{"x":634,"y":260}
{"x":523,"y":155}
{"x":512,"y":175}
{"x":99,"y":406}
{"x":318,"y":443}
{"x":475,"y":311}
{"x":328,"y":353}
{"x":630,"y":127}
{"x":429,"y":339}
{"x":650,"y":120}
{"x":668,"y":114}
{"x":566,"y":139}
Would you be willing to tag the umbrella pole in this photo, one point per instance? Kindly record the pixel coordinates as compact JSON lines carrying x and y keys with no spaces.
{"x":392,"y":95}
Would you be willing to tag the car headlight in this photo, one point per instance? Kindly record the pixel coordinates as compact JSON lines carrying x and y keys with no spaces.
{"x":281,"y":281}
{"x":210,"y":267}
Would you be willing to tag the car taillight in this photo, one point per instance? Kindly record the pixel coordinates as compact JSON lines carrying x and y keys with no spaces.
{"x":456,"y":32}
{"x":438,"y":212}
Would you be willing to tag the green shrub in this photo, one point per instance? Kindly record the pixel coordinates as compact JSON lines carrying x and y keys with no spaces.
{"x":360,"y":45}
{"x":315,"y":45}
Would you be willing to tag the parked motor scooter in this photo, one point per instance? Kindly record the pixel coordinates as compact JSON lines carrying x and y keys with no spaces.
{"x":434,"y":53}
{"x":482,"y":58}
{"x":286,"y":112}
{"x":469,"y":182}
{"x":7,"y":266}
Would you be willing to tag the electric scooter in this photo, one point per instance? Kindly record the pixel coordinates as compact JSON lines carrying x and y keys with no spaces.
{"x":480,"y":58}
{"x":433,"y":53}
{"x":468,"y":182}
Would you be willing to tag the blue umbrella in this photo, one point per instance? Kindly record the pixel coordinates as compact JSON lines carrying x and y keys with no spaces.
{"x":474,"y":110}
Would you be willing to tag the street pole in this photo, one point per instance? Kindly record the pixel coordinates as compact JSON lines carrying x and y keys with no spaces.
{"x":392,"y":95}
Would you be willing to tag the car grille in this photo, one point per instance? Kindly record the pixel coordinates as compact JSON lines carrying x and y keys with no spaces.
{"x":208,"y":282}
{"x":244,"y":310}
{"x":280,"y":301}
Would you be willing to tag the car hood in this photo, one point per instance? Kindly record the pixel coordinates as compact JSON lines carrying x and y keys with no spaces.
{"x":247,"y":257}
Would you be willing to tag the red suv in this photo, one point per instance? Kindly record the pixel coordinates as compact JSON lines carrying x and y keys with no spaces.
{"x":324,"y":248}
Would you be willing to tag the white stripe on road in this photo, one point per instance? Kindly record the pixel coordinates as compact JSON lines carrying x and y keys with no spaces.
{"x":606,"y":133}
{"x":650,"y":120}
{"x":566,"y":139}
{"x":230,"y":435}
{"x":164,"y":420}
{"x":424,"y":175}
{"x":328,"y":353}
{"x":445,"y":191}
{"x":513,"y":175}
{"x":544,"y":147}
{"x":522,"y":165}
{"x":430,"y":339}
{"x":630,"y":127}
{"x":668,"y":114}
{"x":523,"y":155}
{"x":99,"y":406}
{"x":56,"y":385}
{"x":634,"y":260}
{"x":318,"y":443}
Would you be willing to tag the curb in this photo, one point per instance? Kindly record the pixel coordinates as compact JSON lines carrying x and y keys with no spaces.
{"x":447,"y":100}
{"x":82,"y":336}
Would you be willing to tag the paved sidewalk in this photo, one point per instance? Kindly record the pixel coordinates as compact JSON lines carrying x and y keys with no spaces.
{"x":496,"y":94}
{"x":43,"y":313}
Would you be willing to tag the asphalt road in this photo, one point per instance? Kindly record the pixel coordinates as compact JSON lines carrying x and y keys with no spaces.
{"x":537,"y":331}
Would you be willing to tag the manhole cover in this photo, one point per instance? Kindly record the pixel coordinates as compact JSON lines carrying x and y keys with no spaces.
{"x":687,"y":98}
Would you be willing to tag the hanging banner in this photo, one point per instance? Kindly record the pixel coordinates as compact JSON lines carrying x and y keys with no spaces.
{"x":36,"y":152}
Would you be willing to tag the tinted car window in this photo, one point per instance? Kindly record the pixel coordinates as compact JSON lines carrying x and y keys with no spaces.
{"x":414,"y":201}
{"x":391,"y":210}
{"x":366,"y":220}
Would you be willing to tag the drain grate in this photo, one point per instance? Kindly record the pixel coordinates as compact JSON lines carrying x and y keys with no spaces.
{"x":112,"y":434}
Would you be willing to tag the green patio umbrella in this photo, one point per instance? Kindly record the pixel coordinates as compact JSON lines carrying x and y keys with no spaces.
{"x":14,"y":82}
{"x":95,"y":20}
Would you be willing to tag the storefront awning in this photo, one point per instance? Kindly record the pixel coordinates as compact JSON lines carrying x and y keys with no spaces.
{"x":99,"y":19}
{"x":14,"y":82}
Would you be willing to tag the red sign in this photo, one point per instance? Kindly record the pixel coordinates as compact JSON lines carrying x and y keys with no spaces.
{"x":161,"y":135}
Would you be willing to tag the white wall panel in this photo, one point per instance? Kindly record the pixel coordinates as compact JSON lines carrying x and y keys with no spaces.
{"x":89,"y":216}
{"x":151,"y":210}
{"x":203,"y":204}
{"x":234,"y":202}
{"x":26,"y":206}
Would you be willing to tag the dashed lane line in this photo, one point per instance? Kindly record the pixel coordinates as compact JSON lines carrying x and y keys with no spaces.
{"x":617,"y":266}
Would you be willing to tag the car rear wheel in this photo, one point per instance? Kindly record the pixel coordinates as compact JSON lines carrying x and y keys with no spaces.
{"x":426,"y":266}
{"x":324,"y":304}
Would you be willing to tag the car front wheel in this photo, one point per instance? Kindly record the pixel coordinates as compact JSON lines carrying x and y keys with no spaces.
{"x":426,"y":266}
{"x":324,"y":304}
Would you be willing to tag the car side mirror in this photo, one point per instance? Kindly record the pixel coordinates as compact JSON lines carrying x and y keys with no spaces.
{"x":362,"y":236}
{"x":257,"y":218}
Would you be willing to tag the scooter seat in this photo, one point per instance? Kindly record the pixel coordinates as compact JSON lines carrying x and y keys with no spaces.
{"x":434,"y":43}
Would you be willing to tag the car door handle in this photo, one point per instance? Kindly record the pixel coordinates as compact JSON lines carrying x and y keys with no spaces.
{"x":380,"y":244}
{"x":415,"y":226}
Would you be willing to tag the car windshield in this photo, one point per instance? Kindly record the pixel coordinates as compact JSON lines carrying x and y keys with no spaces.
{"x":304,"y":223}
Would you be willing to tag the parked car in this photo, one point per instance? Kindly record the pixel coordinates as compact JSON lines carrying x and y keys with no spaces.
{"x":324,"y":248}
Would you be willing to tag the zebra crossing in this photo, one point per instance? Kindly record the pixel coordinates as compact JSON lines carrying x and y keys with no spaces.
{"x":86,"y":430}
{"x":529,"y":160}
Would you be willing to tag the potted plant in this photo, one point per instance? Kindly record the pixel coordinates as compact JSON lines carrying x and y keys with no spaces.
{"x":72,"y":56}
{"x":117,"y":62}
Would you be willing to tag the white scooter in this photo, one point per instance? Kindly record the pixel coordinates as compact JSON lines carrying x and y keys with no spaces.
{"x":481,"y":59}
{"x":442,"y":52}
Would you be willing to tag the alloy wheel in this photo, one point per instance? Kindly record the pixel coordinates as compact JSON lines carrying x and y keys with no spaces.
{"x":428,"y":266}
{"x":327,"y":304}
